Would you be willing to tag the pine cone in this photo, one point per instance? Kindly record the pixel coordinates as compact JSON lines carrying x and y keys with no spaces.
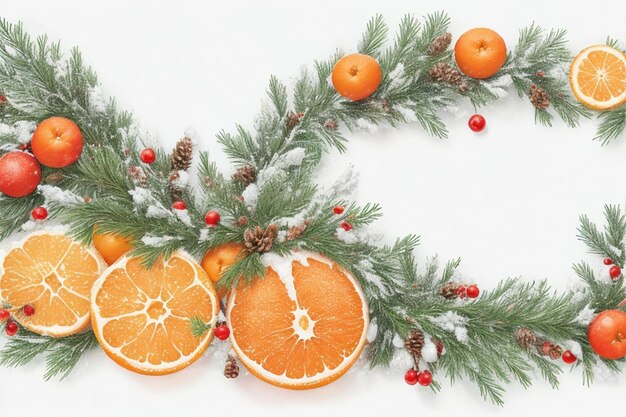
{"x":242,"y":221}
{"x":550,"y":349}
{"x":260,"y":240}
{"x":443,"y":73}
{"x":55,"y":178}
{"x":182,"y":154}
{"x":137,"y":175}
{"x":415,"y":342}
{"x":450,"y":290}
{"x":539,"y":97}
{"x":175,"y":190}
{"x":231,"y":369}
{"x":440,"y":44}
{"x":295,"y":232}
{"x":331,"y":124}
{"x":245,"y":174}
{"x":293,"y":120}
{"x":526,"y":338}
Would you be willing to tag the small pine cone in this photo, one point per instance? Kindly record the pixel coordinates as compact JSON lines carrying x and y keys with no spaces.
{"x":450,"y":290}
{"x":295,"y":232}
{"x":55,"y":178}
{"x":443,"y":73}
{"x":293,"y":120}
{"x":526,"y":338}
{"x":440,"y":44}
{"x":182,"y":154}
{"x":385,"y":105}
{"x":242,"y":221}
{"x":245,"y":174}
{"x":137,"y":175}
{"x":539,"y":97}
{"x":415,"y":342}
{"x":175,"y":190}
{"x":331,"y":124}
{"x":550,"y":349}
{"x":231,"y":369}
{"x":260,"y":240}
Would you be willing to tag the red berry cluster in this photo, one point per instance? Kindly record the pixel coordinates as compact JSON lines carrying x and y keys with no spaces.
{"x":615,"y":272}
{"x":11,"y":328}
{"x":412,"y":377}
{"x":344,"y":225}
{"x":471,"y":291}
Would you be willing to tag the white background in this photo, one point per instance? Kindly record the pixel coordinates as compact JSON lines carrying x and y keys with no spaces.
{"x":506,"y":201}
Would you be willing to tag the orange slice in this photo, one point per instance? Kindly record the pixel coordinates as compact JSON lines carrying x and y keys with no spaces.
{"x":598,"y":77}
{"x":54,"y":274}
{"x":142,"y":317}
{"x":301,"y":326}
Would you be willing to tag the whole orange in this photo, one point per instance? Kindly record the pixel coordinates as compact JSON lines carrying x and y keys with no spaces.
{"x":57,"y":142}
{"x":607,"y":334}
{"x":356,"y":76}
{"x":217,"y":259}
{"x":480,"y":53}
{"x":111,"y":246}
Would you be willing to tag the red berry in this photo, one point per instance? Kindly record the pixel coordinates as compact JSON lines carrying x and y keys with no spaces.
{"x":568,"y":357}
{"x":212,"y":218}
{"x":439,"y":345}
{"x":411,"y":376}
{"x":39,"y":213}
{"x":346,"y":226}
{"x":608,"y":261}
{"x":477,"y":123}
{"x":425,"y":378}
{"x":222,"y":332}
{"x":179,"y":205}
{"x":11,"y":328}
{"x":29,"y":310}
{"x":615,"y":272}
{"x":148,"y":156}
{"x":472,"y":291}
{"x":3,"y":99}
{"x":4,"y":314}
{"x":338,"y":209}
{"x":461,"y":290}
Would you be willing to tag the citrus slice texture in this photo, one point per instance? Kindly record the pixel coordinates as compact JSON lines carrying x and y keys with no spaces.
{"x":54,"y":274}
{"x":598,"y":77}
{"x":301,"y":326}
{"x":142,"y":317}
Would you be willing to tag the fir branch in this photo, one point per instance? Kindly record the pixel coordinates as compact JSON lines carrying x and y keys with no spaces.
{"x":198,"y":327}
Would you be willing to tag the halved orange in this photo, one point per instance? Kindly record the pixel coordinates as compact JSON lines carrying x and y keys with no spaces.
{"x":142,"y":317}
{"x":54,"y":274}
{"x":301,"y":326}
{"x":598,"y":77}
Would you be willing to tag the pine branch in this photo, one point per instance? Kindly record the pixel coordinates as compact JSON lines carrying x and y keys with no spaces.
{"x":198,"y":327}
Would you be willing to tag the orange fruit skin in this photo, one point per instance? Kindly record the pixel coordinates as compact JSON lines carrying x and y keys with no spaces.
{"x":480,"y":53}
{"x":57,"y":142}
{"x":217,"y":259}
{"x":111,"y":246}
{"x":607,"y":334}
{"x":356,"y":76}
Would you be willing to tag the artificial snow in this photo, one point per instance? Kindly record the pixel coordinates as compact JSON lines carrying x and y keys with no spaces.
{"x":204,"y":234}
{"x":53,"y":194}
{"x":398,"y":341}
{"x":250,"y":196}
{"x":348,"y":237}
{"x":452,"y":322}
{"x":575,"y":348}
{"x":407,"y":113}
{"x":366,"y":269}
{"x":282,"y":265}
{"x":182,"y":179}
{"x":585,"y":316}
{"x":98,"y":99}
{"x":396,"y":77}
{"x":24,"y":131}
{"x":429,"y":350}
{"x":183,"y":216}
{"x":156,"y":241}
{"x":143,"y":198}
{"x":372,"y":330}
{"x":499,"y":86}
{"x":366,"y":125}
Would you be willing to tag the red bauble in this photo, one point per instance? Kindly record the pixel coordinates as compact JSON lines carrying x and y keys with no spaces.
{"x":411,"y":376}
{"x":28,"y":310}
{"x":615,"y":272}
{"x":425,"y":378}
{"x":338,"y":209}
{"x":346,"y":226}
{"x":222,"y":332}
{"x":608,"y":261}
{"x":20,"y":174}
{"x":606,"y":334}
{"x":568,"y":357}
{"x":212,"y":218}
{"x":11,"y":328}
{"x":477,"y":123}
{"x":4,"y":315}
{"x":179,"y":205}
{"x":39,"y":213}
{"x":148,"y":156}
{"x":472,"y":291}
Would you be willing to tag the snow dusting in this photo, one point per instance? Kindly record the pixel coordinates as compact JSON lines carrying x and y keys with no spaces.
{"x":156,"y":241}
{"x":585,"y":316}
{"x":452,"y":322}
{"x":52,"y":194}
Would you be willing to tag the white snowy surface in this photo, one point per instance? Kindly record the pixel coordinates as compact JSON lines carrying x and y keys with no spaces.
{"x":506,"y":200}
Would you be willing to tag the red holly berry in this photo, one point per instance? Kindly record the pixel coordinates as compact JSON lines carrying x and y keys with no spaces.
{"x":39,"y":213}
{"x":461,"y":291}
{"x":568,"y":357}
{"x":608,"y":261}
{"x":439,"y":345}
{"x":29,"y":310}
{"x":3,"y":99}
{"x":540,"y":74}
{"x":425,"y":378}
{"x":411,"y":376}
{"x":87,"y":199}
{"x":222,"y":332}
{"x":615,"y":272}
{"x":346,"y":226}
{"x":4,"y":314}
{"x":11,"y":328}
{"x":148,"y":156}
{"x":179,"y":205}
{"x":212,"y":218}
{"x":477,"y":123}
{"x":338,"y":209}
{"x":472,"y":291}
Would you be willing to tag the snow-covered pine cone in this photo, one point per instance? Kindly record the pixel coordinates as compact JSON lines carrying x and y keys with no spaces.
{"x":260,"y":240}
{"x":245,"y":174}
{"x":526,"y":338}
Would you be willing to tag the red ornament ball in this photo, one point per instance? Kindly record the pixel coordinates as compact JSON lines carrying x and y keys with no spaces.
{"x":346,"y":226}
{"x":39,"y":213}
{"x":28,"y":310}
{"x":20,"y":174}
{"x":212,"y":218}
{"x":568,"y":357}
{"x":4,"y":315}
{"x":147,"y":156}
{"x":11,"y":328}
{"x":477,"y":123}
{"x":222,"y":332}
{"x":615,"y":272}
{"x":338,"y":209}
{"x":608,"y":261}
{"x":425,"y":378}
{"x":411,"y":377}
{"x":179,"y":205}
{"x":472,"y":291}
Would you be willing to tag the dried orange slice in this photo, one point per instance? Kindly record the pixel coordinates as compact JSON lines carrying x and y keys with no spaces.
{"x":598,"y":77}
{"x":142,"y":317}
{"x":301,"y":326}
{"x":54,"y":274}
